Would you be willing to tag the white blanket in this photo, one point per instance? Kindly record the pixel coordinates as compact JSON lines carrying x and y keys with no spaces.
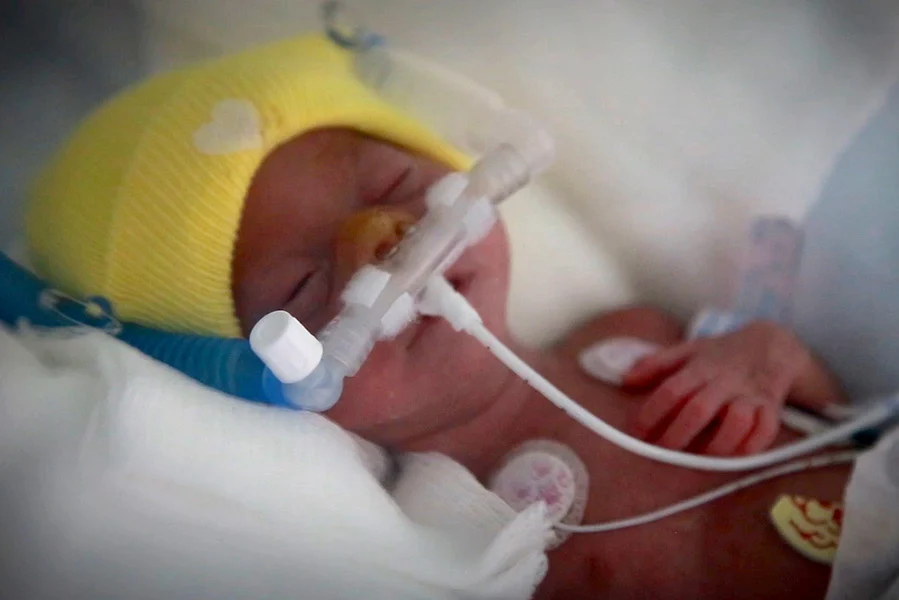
{"x":868,"y":558}
{"x":123,"y":479}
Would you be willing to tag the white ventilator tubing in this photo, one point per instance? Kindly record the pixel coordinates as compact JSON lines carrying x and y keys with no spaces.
{"x":440,"y":299}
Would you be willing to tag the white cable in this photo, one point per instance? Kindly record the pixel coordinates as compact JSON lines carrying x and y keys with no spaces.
{"x":444,"y":301}
{"x":840,"y":433}
{"x":803,"y":422}
{"x":824,"y":460}
{"x":440,"y":299}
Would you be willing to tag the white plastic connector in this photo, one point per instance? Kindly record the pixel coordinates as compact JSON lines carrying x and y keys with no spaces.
{"x":439,"y":299}
{"x":481,"y":215}
{"x":364,"y":289}
{"x":285,"y":346}
{"x":400,"y":314}
{"x":446,"y":191}
{"x":365,"y":286}
{"x":479,"y":221}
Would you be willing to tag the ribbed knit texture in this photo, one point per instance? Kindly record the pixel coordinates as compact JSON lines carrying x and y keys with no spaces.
{"x":134,"y":209}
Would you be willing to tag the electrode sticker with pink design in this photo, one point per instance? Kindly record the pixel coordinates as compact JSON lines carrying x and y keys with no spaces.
{"x":611,"y":359}
{"x":535,"y":476}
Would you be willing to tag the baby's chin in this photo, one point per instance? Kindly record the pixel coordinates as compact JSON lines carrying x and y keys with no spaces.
{"x":407,"y":391}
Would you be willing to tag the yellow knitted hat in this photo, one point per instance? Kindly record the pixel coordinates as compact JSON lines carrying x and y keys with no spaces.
{"x":143,"y":204}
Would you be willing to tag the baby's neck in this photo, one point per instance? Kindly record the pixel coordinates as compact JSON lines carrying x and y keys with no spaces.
{"x":516,"y":414}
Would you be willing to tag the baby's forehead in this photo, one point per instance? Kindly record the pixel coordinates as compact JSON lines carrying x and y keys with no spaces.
{"x":335,"y":159}
{"x":310,"y":183}
{"x":333,"y":146}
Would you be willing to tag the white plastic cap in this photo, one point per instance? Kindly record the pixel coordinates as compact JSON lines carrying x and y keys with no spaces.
{"x":285,"y":346}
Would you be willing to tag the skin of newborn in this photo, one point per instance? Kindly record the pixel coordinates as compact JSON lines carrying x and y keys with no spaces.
{"x":331,"y":200}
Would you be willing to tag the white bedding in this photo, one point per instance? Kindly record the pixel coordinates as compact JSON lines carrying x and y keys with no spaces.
{"x":123,"y":479}
{"x":677,"y":123}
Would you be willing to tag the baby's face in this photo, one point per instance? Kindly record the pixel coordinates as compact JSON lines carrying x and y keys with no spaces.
{"x":297,"y":248}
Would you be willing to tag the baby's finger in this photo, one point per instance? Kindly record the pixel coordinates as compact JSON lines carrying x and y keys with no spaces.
{"x":667,"y":399}
{"x":764,"y":430}
{"x":650,"y":369}
{"x":696,"y":414}
{"x":739,"y":419}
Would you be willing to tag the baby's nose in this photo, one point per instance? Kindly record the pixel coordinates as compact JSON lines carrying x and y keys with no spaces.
{"x":368,"y":236}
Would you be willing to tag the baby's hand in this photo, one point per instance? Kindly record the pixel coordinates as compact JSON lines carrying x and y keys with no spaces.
{"x":722,"y":394}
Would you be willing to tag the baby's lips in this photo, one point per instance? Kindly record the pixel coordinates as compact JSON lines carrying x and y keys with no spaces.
{"x":611,"y":359}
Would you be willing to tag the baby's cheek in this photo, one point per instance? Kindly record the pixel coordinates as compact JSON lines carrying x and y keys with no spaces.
{"x":378,"y":395}
{"x":496,"y":245}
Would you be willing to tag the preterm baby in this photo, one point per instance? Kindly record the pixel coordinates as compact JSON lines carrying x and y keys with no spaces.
{"x":205,"y":198}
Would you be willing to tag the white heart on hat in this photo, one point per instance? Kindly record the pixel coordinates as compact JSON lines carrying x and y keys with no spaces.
{"x":235,"y":126}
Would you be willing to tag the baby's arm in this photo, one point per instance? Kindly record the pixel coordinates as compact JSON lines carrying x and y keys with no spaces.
{"x":725,"y":393}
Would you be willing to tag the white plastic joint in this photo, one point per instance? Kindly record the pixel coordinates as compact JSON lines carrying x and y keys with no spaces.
{"x":365,"y":286}
{"x":446,"y":191}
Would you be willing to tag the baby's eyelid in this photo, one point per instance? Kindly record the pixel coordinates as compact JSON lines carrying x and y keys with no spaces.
{"x":301,"y":285}
{"x":312,"y":292}
{"x":395,"y":190}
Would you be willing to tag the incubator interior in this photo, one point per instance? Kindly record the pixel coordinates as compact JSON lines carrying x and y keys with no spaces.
{"x":676,"y":128}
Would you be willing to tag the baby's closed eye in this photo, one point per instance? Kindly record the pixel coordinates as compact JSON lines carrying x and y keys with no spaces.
{"x":308,"y":299}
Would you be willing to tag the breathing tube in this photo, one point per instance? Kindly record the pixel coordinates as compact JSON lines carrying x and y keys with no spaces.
{"x":228,"y":365}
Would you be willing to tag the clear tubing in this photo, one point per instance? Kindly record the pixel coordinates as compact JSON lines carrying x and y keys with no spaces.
{"x":457,"y":108}
{"x":471,"y":117}
{"x":317,"y":392}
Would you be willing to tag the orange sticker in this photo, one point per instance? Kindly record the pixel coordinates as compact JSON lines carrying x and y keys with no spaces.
{"x":811,"y":527}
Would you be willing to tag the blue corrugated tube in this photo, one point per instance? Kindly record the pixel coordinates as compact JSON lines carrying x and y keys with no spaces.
{"x":227,"y":365}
